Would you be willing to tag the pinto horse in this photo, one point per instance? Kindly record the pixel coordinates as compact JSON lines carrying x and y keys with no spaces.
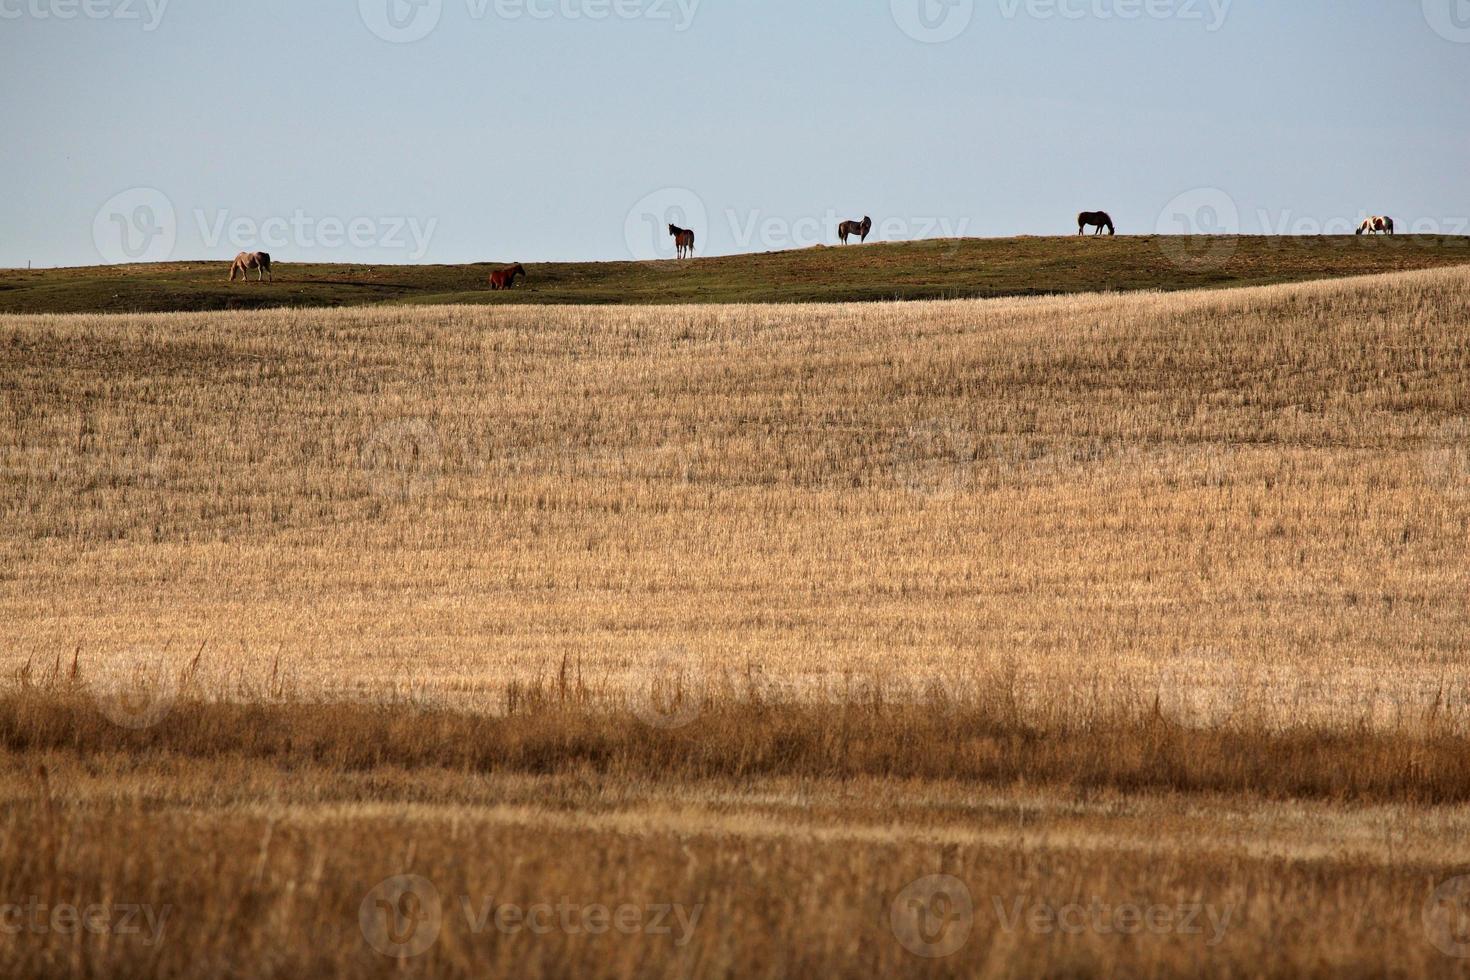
{"x":859,"y":228}
{"x":1099,"y":219}
{"x":683,"y":240}
{"x":1378,"y":224}
{"x":246,"y":261}
{"x":506,"y":278}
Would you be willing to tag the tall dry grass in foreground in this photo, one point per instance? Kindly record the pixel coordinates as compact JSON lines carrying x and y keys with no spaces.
{"x":1140,"y":603}
{"x":756,"y":838}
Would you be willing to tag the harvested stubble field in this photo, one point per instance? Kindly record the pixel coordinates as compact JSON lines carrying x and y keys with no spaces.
{"x":1142,"y":618}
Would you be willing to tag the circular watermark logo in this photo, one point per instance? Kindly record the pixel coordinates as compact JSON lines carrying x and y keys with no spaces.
{"x":138,"y":225}
{"x":671,"y":692}
{"x":401,"y":21}
{"x":932,"y":21}
{"x":401,"y":916}
{"x":935,"y":457}
{"x":933,"y":916}
{"x":1198,"y":228}
{"x":1447,"y":917}
{"x":402,"y":459}
{"x":646,"y":228}
{"x":138,"y":691}
{"x":1449,"y":18}
{"x":1447,"y":458}
{"x":1199,"y":687}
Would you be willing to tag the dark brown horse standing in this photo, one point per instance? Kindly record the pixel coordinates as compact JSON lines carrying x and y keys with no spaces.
{"x":683,"y":240}
{"x":1099,"y":219}
{"x":506,"y":278}
{"x":859,"y":228}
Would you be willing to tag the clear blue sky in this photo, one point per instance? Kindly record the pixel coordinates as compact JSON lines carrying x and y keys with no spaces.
{"x":536,"y":130}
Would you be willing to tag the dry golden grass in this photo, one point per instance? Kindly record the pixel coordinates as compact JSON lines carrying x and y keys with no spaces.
{"x":1154,"y":601}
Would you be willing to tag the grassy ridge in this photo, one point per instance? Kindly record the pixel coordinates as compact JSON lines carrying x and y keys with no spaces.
{"x":955,"y":268}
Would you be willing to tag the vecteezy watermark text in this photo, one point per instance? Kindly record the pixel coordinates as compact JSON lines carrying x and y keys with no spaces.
{"x":304,"y":231}
{"x":1211,"y":13}
{"x":1106,"y":918}
{"x":937,"y":21}
{"x":39,"y":918}
{"x":403,"y":917}
{"x":406,"y":21}
{"x":149,"y":13}
{"x":141,"y":225}
{"x":758,"y":231}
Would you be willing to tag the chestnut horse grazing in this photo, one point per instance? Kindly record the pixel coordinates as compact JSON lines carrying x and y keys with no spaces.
{"x":683,"y":240}
{"x":1378,"y":224}
{"x":859,"y":228}
{"x":246,"y":261}
{"x":506,"y":278}
{"x":1099,"y":219}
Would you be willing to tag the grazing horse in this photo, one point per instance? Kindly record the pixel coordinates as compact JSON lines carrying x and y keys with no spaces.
{"x":1099,"y":219}
{"x":859,"y":228}
{"x":246,"y":261}
{"x":506,"y":278}
{"x":1376,"y":225}
{"x":683,"y":240}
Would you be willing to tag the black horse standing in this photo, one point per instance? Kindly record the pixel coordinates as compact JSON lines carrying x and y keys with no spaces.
{"x":1099,"y":219}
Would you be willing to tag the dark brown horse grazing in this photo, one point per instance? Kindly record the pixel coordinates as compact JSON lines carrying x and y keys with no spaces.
{"x":859,"y":228}
{"x":683,"y":240}
{"x":506,"y":278}
{"x":1099,"y":219}
{"x":1377,"y":225}
{"x":246,"y":261}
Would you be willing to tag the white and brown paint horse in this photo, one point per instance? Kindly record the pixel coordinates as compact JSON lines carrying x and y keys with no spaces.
{"x":246,"y":261}
{"x":1377,"y":225}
